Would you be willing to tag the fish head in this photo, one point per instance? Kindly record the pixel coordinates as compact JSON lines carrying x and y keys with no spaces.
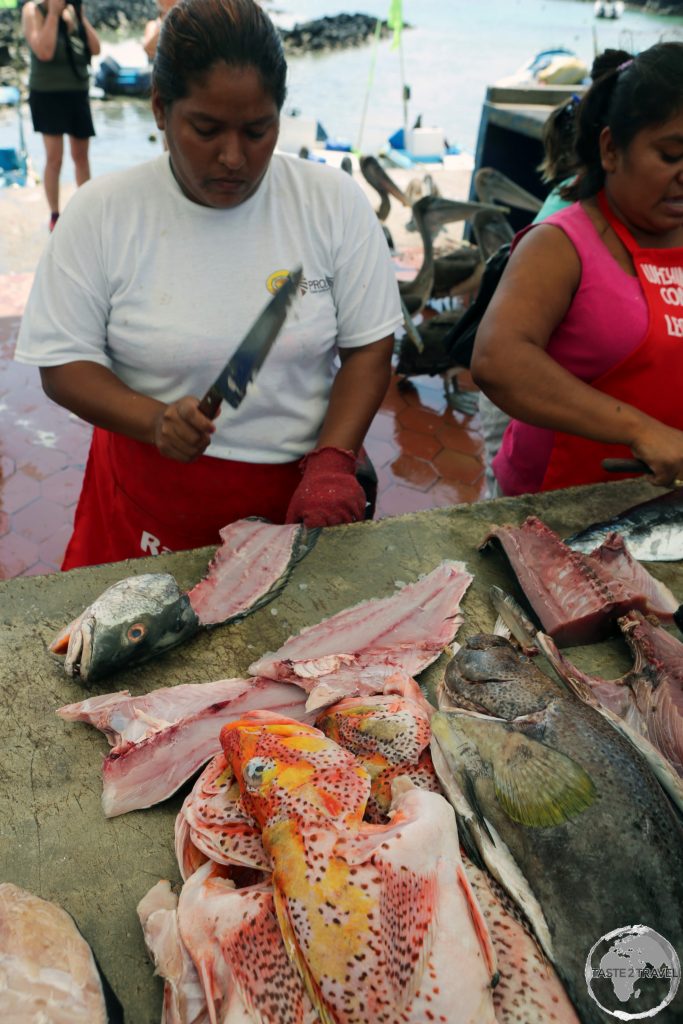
{"x":489,"y":675}
{"x":387,"y":729}
{"x":288,"y":771}
{"x":135,"y":619}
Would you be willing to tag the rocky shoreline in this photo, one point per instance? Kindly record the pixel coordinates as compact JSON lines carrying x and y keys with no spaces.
{"x":129,"y":17}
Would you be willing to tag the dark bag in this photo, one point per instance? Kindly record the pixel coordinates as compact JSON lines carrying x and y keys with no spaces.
{"x":459,"y":341}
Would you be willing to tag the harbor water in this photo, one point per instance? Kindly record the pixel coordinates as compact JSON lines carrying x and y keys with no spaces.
{"x":451,"y":52}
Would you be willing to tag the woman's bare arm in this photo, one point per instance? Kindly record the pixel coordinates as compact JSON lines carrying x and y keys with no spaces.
{"x":41,"y":33}
{"x":511,"y":365}
{"x":178,"y":429}
{"x":91,"y":35}
{"x":357,"y":392}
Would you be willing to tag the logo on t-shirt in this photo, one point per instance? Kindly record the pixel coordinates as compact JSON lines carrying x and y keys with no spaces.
{"x":314,"y":285}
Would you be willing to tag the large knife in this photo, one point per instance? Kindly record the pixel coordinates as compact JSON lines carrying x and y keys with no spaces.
{"x":246,"y":361}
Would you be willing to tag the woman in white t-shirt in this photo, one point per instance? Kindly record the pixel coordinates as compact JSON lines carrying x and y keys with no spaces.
{"x":157,"y":273}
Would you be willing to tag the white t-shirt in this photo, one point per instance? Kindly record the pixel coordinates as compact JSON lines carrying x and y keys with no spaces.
{"x":161,"y":290}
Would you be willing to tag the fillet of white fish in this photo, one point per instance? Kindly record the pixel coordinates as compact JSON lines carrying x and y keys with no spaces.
{"x":354,"y":651}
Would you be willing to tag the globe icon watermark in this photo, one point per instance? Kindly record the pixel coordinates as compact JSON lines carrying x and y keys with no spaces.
{"x":633,"y":973}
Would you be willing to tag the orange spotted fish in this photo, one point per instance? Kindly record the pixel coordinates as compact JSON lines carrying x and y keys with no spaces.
{"x":380,"y":921}
{"x":390,"y":736}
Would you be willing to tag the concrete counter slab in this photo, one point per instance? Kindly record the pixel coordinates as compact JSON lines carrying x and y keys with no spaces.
{"x":54,"y":839}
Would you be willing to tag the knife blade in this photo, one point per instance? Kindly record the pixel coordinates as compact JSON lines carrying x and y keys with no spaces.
{"x":625,"y":466}
{"x":246,"y":361}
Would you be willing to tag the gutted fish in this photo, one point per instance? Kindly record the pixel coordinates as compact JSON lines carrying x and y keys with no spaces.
{"x":162,"y":738}
{"x":355,"y":651}
{"x":47,"y":970}
{"x":576,"y":597}
{"x":184,"y":1000}
{"x":652,"y":530}
{"x":143,"y":616}
{"x":552,"y":796}
{"x":380,"y":921}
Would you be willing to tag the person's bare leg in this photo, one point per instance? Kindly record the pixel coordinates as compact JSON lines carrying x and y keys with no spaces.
{"x":81,"y":159}
{"x":54,"y":151}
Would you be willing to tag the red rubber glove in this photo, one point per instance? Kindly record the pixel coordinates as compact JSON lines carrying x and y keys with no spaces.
{"x":329,"y":493}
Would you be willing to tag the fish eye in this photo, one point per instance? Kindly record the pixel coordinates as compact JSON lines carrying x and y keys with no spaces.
{"x":136,"y":633}
{"x":255,"y":769}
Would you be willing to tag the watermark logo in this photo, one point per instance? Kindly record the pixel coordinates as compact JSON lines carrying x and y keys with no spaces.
{"x":633,"y":973}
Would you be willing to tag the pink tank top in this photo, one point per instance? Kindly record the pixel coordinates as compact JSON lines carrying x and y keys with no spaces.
{"x":606,"y":321}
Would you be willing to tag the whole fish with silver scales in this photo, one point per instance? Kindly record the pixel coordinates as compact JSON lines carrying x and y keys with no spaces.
{"x":652,"y":530}
{"x":565,"y":813}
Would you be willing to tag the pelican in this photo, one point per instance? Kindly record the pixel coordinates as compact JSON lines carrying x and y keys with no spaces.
{"x":492,"y":229}
{"x":424,"y":351}
{"x":455,"y":274}
{"x":375,"y":175}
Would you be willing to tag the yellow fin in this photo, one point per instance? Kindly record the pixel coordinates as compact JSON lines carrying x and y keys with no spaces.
{"x":538,"y":786}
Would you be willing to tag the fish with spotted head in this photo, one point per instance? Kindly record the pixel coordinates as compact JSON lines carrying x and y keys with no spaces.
{"x":374,"y":917}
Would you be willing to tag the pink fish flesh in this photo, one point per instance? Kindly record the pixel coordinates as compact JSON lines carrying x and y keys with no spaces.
{"x":576,"y":597}
{"x":47,"y":970}
{"x":249,"y":569}
{"x":184,"y":1001}
{"x":162,"y":738}
{"x":356,"y":650}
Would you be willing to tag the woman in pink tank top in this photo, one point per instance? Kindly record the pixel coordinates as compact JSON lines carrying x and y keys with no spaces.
{"x":582,"y":342}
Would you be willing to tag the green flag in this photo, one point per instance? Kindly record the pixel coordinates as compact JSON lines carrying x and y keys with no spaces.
{"x":395,"y":21}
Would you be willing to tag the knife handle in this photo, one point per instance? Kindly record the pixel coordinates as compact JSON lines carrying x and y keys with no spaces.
{"x":625,"y":466}
{"x":210,"y":403}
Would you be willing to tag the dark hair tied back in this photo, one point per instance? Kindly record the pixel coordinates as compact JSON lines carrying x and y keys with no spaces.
{"x":198,"y":34}
{"x":636,"y":94}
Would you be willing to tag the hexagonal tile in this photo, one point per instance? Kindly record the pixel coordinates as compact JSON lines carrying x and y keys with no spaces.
{"x":414,"y":472}
{"x":43,"y":463}
{"x":51,"y":551}
{"x":7,"y":466}
{"x":37,"y":521}
{"x":454,"y":466}
{"x":16,"y":555}
{"x":5,"y":523}
{"x":459,"y":439}
{"x":17,"y":492}
{"x":423,"y":445}
{"x":63,"y":487}
{"x":421,"y":420}
{"x":380,"y":452}
{"x":399,"y":500}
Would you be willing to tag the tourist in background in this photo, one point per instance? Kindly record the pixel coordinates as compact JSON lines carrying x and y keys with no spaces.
{"x":582,"y":341}
{"x":150,"y":37}
{"x":62,"y":41}
{"x":154,"y":277}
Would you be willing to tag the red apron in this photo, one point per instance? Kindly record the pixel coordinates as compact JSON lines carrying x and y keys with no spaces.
{"x":650,"y":378}
{"x":135,"y":502}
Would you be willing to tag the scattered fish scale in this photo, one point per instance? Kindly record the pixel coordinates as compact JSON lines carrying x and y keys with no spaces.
{"x":652,"y":530}
{"x":577,"y":597}
{"x":143,"y":616}
{"x":534,"y":787}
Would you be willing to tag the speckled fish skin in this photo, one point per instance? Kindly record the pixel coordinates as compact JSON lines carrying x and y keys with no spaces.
{"x":131,"y":621}
{"x":374,"y":917}
{"x":47,"y":970}
{"x":570,"y":799}
{"x":390,"y":737}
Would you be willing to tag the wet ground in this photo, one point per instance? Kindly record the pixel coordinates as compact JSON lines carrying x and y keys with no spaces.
{"x":426,"y":454}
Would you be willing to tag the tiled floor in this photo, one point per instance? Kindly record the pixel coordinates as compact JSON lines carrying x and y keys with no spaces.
{"x":426,"y":455}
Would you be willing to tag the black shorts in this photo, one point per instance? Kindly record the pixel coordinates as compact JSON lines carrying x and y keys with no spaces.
{"x":62,"y":113}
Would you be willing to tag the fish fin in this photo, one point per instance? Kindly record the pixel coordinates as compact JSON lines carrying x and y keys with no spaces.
{"x":468,"y":844}
{"x":273,"y":994}
{"x":408,"y":925}
{"x":538,"y":786}
{"x":298,"y":959}
{"x":472,"y":800}
{"x":479,"y":922}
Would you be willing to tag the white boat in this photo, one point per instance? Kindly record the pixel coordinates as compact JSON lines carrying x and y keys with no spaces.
{"x":558,"y":66}
{"x":608,"y":8}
